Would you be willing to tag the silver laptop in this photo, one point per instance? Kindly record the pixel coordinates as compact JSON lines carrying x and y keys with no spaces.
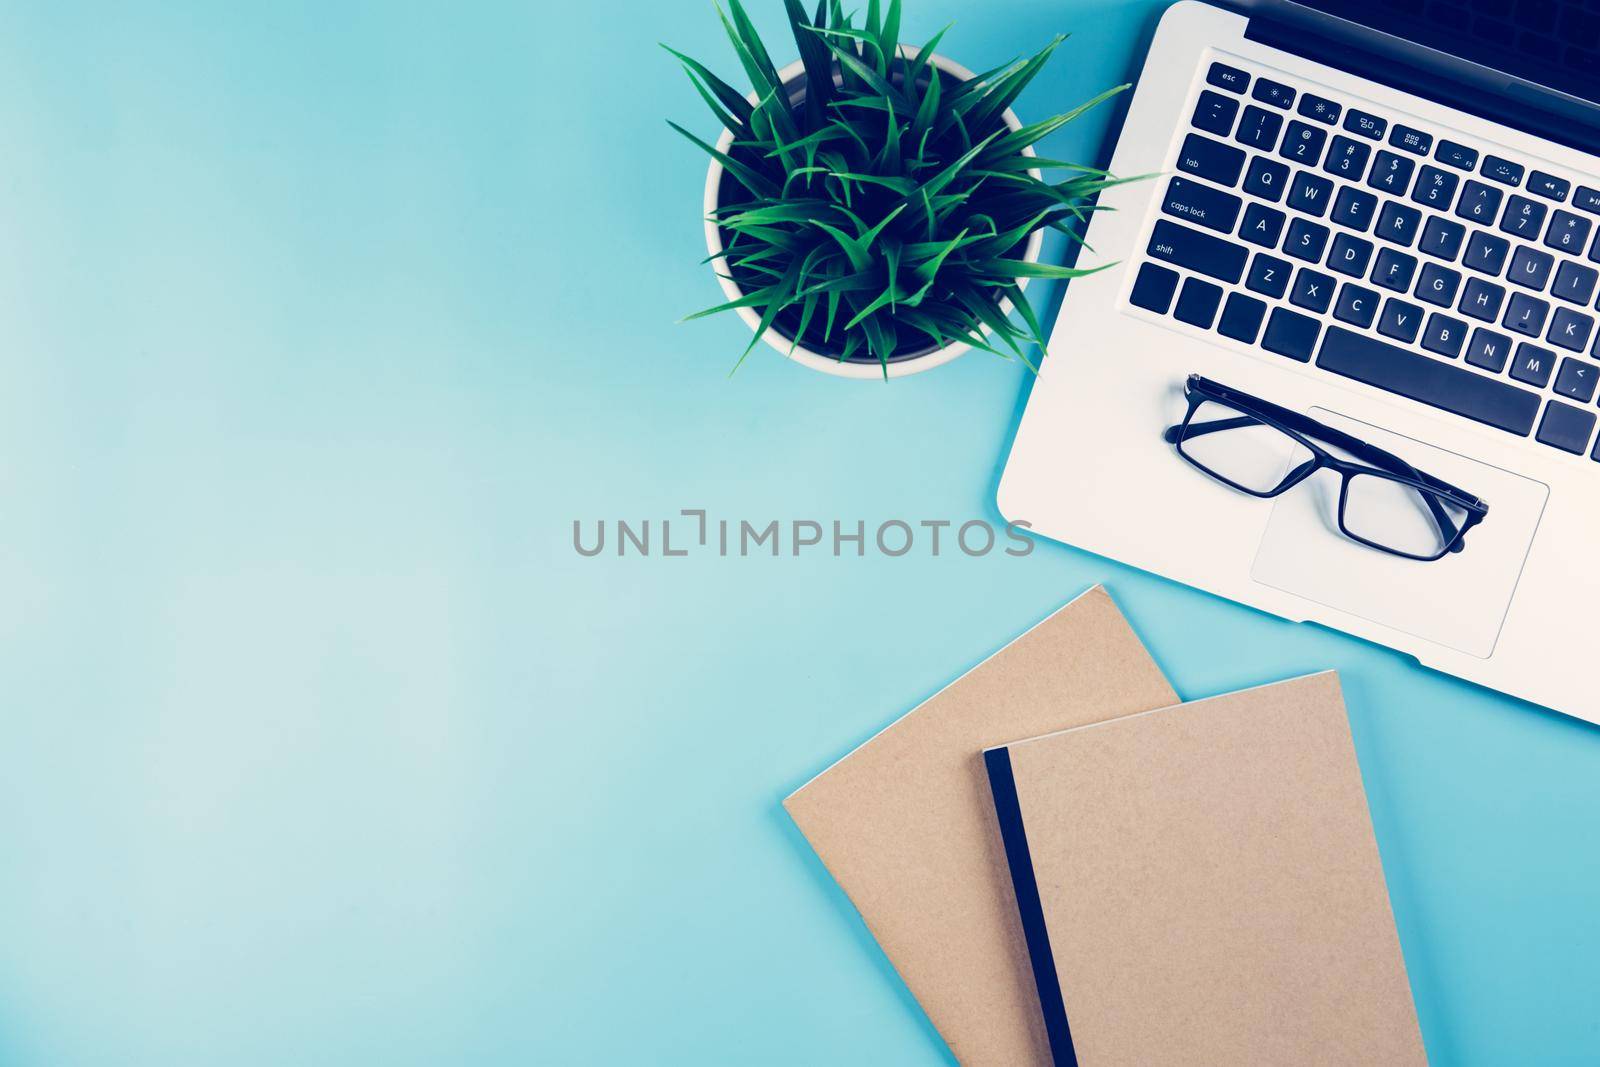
{"x":1345,"y":369}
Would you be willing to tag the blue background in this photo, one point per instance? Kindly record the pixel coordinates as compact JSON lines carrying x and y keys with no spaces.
{"x":319,"y":326}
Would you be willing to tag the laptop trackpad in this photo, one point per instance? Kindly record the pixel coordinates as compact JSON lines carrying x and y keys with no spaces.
{"x":1459,"y":601}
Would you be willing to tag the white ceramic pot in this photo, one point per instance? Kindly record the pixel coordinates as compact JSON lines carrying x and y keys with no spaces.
{"x":799,"y":353}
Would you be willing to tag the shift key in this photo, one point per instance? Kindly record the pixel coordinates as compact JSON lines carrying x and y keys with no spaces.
{"x":1196,"y":251}
{"x":1194,"y":202}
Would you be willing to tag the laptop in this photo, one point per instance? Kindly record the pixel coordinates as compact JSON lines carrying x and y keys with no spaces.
{"x":1344,"y":368}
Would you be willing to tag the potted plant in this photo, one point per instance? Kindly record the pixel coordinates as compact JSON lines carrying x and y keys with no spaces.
{"x":875,"y":209}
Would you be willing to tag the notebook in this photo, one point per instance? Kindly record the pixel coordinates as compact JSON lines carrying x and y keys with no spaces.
{"x":905,"y":825}
{"x":1201,"y":885}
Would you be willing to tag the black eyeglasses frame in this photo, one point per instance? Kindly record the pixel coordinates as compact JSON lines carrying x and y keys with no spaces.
{"x":1302,"y":429}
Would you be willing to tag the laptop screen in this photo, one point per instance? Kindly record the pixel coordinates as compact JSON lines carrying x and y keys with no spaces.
{"x":1554,"y":43}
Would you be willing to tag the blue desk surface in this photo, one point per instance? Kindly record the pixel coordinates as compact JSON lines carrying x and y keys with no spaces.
{"x":319,"y":326}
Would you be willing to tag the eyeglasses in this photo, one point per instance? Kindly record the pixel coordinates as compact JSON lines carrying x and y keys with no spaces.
{"x":1265,"y":450}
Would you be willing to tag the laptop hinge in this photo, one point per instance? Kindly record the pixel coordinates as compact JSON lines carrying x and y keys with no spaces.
{"x":1516,"y":105}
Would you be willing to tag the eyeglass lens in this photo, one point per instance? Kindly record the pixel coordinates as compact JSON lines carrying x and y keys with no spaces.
{"x":1241,"y":450}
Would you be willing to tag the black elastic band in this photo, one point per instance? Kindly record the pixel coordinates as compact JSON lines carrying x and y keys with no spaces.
{"x":1004,"y":787}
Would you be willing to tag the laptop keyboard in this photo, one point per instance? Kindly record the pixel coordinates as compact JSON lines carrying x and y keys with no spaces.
{"x":1394,"y":256}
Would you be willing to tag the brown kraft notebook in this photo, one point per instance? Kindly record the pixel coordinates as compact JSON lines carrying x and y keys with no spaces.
{"x":1201,"y":885}
{"x":905,"y":824}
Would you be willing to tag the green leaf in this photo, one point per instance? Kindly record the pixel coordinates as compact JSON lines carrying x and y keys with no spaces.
{"x":852,"y":345}
{"x":756,"y":183}
{"x":779,"y":297}
{"x":933,"y":186}
{"x":882,"y":300}
{"x":875,"y":81}
{"x":860,"y":259}
{"x":889,"y":36}
{"x":749,"y":300}
{"x":989,"y":110}
{"x":987,"y":313}
{"x":903,"y":186}
{"x":807,"y":309}
{"x":819,"y":67}
{"x":1014,"y":268}
{"x":751,"y":40}
{"x":729,"y":97}
{"x":927,"y":111}
{"x":924,"y":59}
{"x":889,"y":158}
{"x":1019,"y":300}
{"x":861,"y":37}
{"x":1015,"y":141}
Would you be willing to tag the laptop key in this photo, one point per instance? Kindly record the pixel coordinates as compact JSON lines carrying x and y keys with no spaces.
{"x":1442,"y":237}
{"x":1489,"y":350}
{"x":1275,"y":93}
{"x":1444,"y":335}
{"x":1391,"y":173}
{"x":1359,"y":122}
{"x":1291,"y":334}
{"x":1435,"y":188}
{"x":1310,"y":193}
{"x":1215,"y":113}
{"x":1523,"y":217}
{"x":1153,"y":288}
{"x":1313,"y":290}
{"x":1306,"y":240}
{"x":1576,"y":380}
{"x":1398,"y":223}
{"x":1356,"y":305}
{"x":1566,"y":428}
{"x":1262,"y":225}
{"x":1482,"y":299}
{"x":1438,"y":284}
{"x":1456,"y":155}
{"x":1573,"y":282}
{"x":1567,"y":232}
{"x":1266,"y":178}
{"x":1349,"y":255}
{"x":1241,"y":317}
{"x":1570,"y":329}
{"x":1533,"y":365}
{"x":1353,"y":208}
{"x":1548,"y":185}
{"x":1486,"y":252}
{"x":1318,"y":108}
{"x":1525,"y":315}
{"x":1303,"y":143}
{"x":1194,"y":202}
{"x":1501,"y":170}
{"x":1479,"y":203}
{"x":1269,"y":276}
{"x":1429,"y":381}
{"x":1404,"y":137}
{"x":1347,"y":158}
{"x":1211,"y":160}
{"x":1394,"y":270}
{"x":1587,"y":199}
{"x":1530,"y":267}
{"x":1259,"y":128}
{"x":1196,"y":251}
{"x":1197,"y":302}
{"x":1401,"y":320}
{"x":1230,"y":78}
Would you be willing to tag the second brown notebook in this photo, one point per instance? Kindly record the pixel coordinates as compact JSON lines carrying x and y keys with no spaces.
{"x":1201,"y":885}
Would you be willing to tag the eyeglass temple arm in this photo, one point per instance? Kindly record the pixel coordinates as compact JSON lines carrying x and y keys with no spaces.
{"x":1354,"y":445}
